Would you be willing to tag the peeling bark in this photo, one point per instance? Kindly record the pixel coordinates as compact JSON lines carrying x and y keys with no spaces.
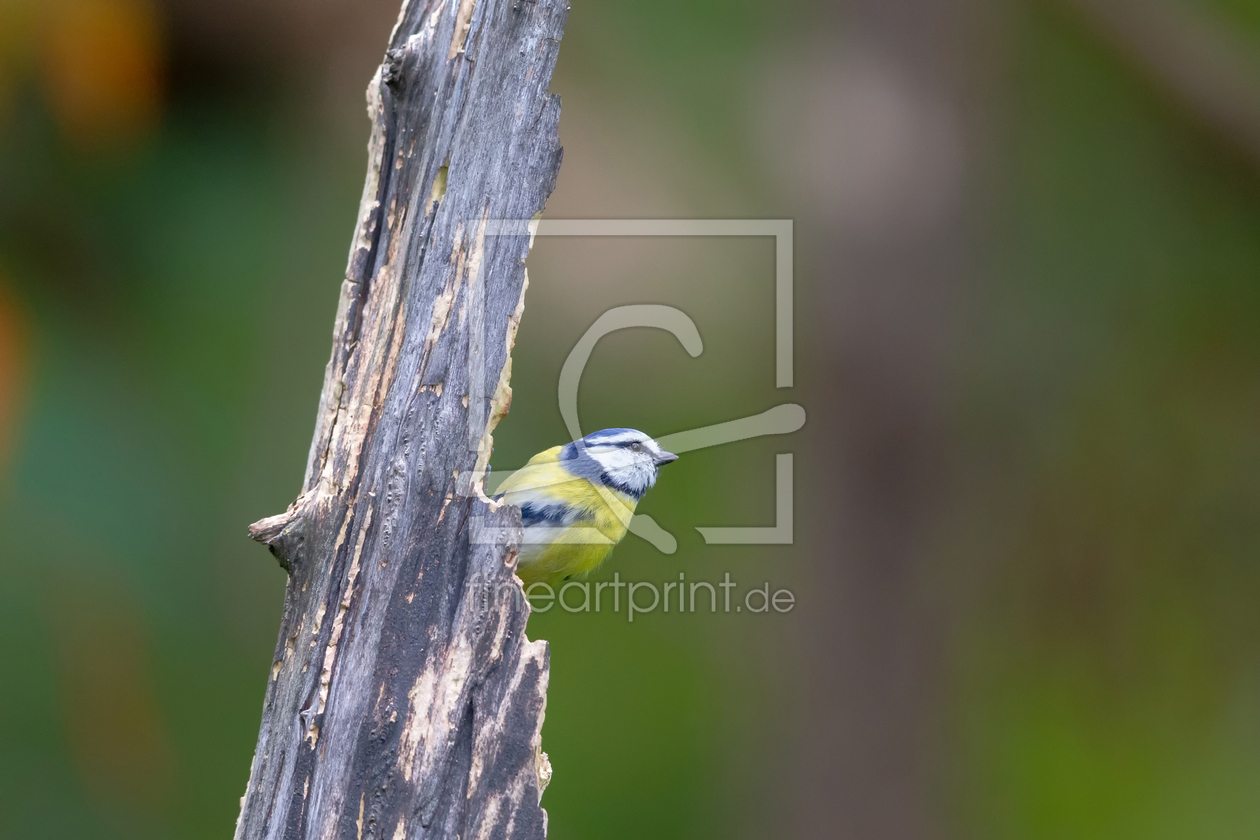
{"x":405,"y":700}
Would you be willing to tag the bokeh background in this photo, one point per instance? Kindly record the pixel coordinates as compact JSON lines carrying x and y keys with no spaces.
{"x":1028,"y":289}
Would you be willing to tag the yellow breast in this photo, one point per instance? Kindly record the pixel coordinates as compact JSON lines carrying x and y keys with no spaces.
{"x":571,"y":523}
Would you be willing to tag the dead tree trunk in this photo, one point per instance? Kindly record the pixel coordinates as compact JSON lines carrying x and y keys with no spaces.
{"x":405,"y":700}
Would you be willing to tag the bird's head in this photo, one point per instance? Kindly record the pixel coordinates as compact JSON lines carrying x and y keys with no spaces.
{"x":623,"y":459}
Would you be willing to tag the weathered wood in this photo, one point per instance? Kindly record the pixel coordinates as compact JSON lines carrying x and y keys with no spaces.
{"x":405,"y":700}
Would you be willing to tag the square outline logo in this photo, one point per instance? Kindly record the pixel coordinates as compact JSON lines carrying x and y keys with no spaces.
{"x":782,"y":419}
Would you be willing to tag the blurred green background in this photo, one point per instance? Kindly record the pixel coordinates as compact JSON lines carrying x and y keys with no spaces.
{"x":1028,"y":284}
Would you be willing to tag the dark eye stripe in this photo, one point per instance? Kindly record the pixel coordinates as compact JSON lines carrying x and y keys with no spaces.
{"x":617,"y":437}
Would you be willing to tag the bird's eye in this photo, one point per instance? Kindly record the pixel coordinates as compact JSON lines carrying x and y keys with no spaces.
{"x":636,"y":446}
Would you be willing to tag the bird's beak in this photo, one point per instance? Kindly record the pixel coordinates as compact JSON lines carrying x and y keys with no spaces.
{"x":665,"y":458}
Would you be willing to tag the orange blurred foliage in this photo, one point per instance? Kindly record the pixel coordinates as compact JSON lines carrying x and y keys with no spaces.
{"x":102,"y":68}
{"x":15,"y":39}
{"x":13,"y":363}
{"x":112,"y":717}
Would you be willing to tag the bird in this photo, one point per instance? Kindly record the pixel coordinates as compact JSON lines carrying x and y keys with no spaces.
{"x":576,"y":501}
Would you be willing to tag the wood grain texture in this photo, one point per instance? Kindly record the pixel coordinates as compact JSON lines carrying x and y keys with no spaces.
{"x":405,"y":700}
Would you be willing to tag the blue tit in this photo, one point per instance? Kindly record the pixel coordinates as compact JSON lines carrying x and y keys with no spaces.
{"x":576,"y":501}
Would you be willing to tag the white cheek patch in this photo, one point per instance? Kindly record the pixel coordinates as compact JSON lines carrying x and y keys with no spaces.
{"x":632,"y":469}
